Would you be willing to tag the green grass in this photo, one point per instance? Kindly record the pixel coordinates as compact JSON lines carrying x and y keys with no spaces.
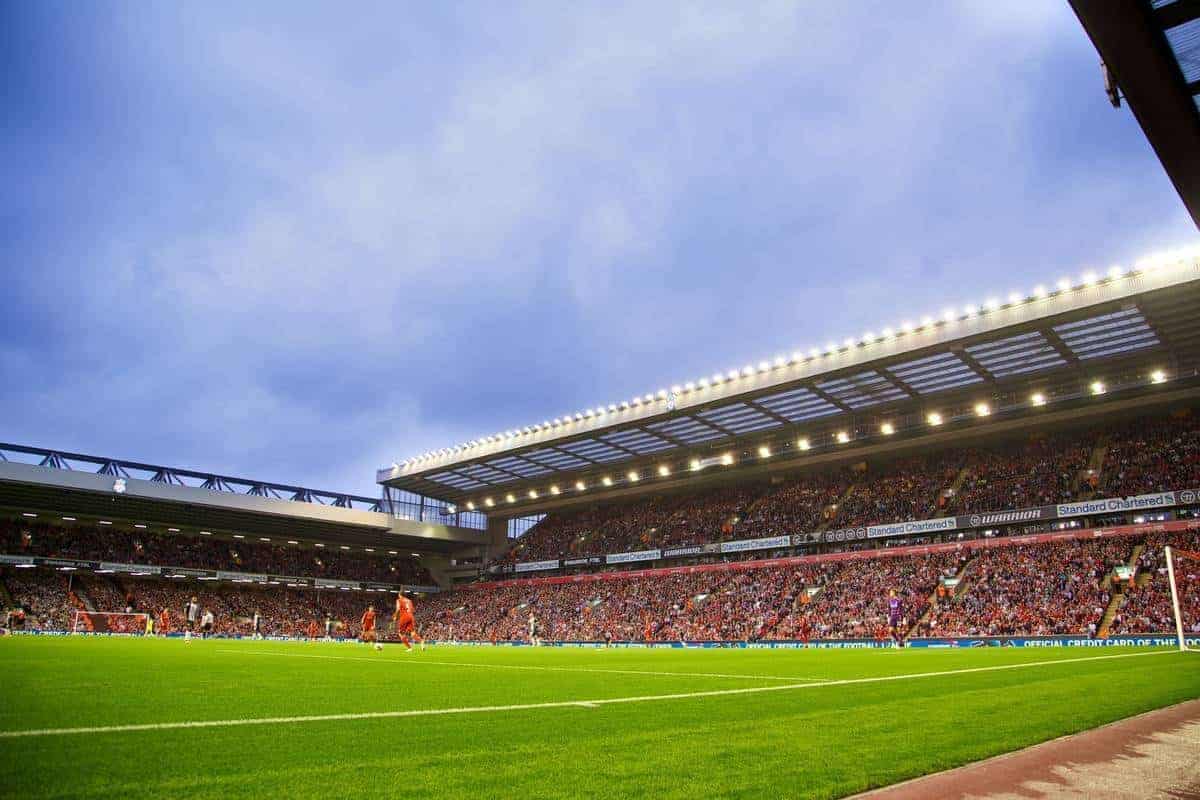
{"x":820,"y":741}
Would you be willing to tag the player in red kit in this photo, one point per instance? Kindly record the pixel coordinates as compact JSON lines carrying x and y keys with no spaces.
{"x":405,"y":623}
{"x":368,"y":627}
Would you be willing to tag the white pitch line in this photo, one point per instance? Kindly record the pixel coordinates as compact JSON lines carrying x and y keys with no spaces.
{"x":418,"y":659}
{"x":434,"y":712}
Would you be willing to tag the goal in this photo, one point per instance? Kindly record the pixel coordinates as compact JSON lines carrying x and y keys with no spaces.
{"x":1183,"y":570}
{"x":108,"y":622}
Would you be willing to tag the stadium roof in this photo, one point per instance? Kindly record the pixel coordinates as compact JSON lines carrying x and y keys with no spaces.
{"x":1151,"y":54}
{"x":90,"y":487}
{"x":1089,"y":340}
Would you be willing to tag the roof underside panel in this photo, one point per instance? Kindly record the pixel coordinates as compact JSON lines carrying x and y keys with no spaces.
{"x":595,"y":450}
{"x":688,"y":430}
{"x":863,"y":390}
{"x":1108,"y":334}
{"x":739,"y":418}
{"x":519,"y":466}
{"x":798,"y":405}
{"x":556,"y":459}
{"x":637,"y":440}
{"x":936,"y":373}
{"x":1017,"y":355}
{"x":455,"y":480}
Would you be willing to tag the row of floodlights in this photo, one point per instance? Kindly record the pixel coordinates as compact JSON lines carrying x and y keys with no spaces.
{"x":932,"y":418}
{"x":1153,"y":264}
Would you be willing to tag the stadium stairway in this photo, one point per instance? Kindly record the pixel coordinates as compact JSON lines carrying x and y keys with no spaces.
{"x":80,"y":593}
{"x":1119,"y":599}
{"x":830,"y":511}
{"x":958,"y":591}
{"x":1081,"y":487}
{"x":952,"y":490}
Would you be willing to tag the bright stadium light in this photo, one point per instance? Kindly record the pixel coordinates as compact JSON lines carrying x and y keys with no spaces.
{"x":702,"y":383}
{"x":847,"y":344}
{"x":948,"y":315}
{"x":1064,"y":284}
{"x":1158,"y":376}
{"x":1097,"y":387}
{"x":554,"y":490}
{"x":814,"y":352}
{"x":764,"y":366}
{"x":489,"y":502}
{"x":695,"y":464}
{"x":887,"y":429}
{"x":830,"y":348}
{"x":510,"y":498}
{"x":470,"y":505}
{"x":991,"y":304}
{"x":906,"y":327}
{"x":802,"y":444}
{"x":607,"y":481}
{"x":533,"y":495}
{"x":764,"y":452}
{"x":632,"y":476}
{"x":664,"y":470}
{"x":747,"y":371}
{"x":1114,"y":273}
{"x":1039,"y":292}
{"x":732,"y":375}
{"x":580,"y":486}
{"x":1088,"y":278}
{"x":727,"y":459}
{"x":934,"y":418}
{"x":982,"y":409}
{"x":1014,"y":298}
{"x":843,"y":437}
{"x":1038,"y":399}
{"x":780,"y":362}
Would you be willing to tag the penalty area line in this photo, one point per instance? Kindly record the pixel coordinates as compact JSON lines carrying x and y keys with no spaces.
{"x":583,"y":703}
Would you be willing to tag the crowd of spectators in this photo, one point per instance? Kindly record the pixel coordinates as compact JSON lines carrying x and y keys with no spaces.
{"x":1034,"y":470}
{"x":1147,"y":607}
{"x":51,"y":600}
{"x":1060,"y":587}
{"x":1153,"y":455}
{"x":1037,"y":590}
{"x":200,"y":552}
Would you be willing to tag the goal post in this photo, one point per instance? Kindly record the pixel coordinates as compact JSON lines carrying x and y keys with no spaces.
{"x":109,"y":622}
{"x":1173,"y":556}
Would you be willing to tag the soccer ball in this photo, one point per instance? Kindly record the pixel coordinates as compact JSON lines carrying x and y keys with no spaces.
{"x":378,"y":646}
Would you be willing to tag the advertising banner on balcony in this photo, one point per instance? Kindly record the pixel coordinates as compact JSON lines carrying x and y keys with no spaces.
{"x":640,"y":555}
{"x":673,"y":552}
{"x":536,"y":566}
{"x":1112,"y":504}
{"x":768,"y":543}
{"x":990,"y":518}
{"x":914,"y":526}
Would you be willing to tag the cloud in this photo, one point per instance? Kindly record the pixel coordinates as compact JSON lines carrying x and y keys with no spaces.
{"x":304,"y":241}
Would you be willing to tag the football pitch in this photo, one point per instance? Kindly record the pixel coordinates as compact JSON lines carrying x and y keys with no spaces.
{"x":100,"y":717}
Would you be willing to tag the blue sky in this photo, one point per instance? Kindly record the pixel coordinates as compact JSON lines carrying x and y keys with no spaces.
{"x":292,"y":243}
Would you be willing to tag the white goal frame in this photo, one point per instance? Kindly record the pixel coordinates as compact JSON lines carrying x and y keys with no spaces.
{"x":1175,"y":599}
{"x":79,"y":616}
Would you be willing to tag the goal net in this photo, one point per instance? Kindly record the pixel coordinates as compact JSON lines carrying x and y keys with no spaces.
{"x":1183,"y":575}
{"x":108,"y":622}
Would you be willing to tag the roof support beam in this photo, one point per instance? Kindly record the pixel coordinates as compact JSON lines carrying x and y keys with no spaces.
{"x":1129,"y":37}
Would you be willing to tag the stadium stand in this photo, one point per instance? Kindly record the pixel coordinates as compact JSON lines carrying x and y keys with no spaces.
{"x":1141,"y":456}
{"x":145,"y":547}
{"x":977,"y":587}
